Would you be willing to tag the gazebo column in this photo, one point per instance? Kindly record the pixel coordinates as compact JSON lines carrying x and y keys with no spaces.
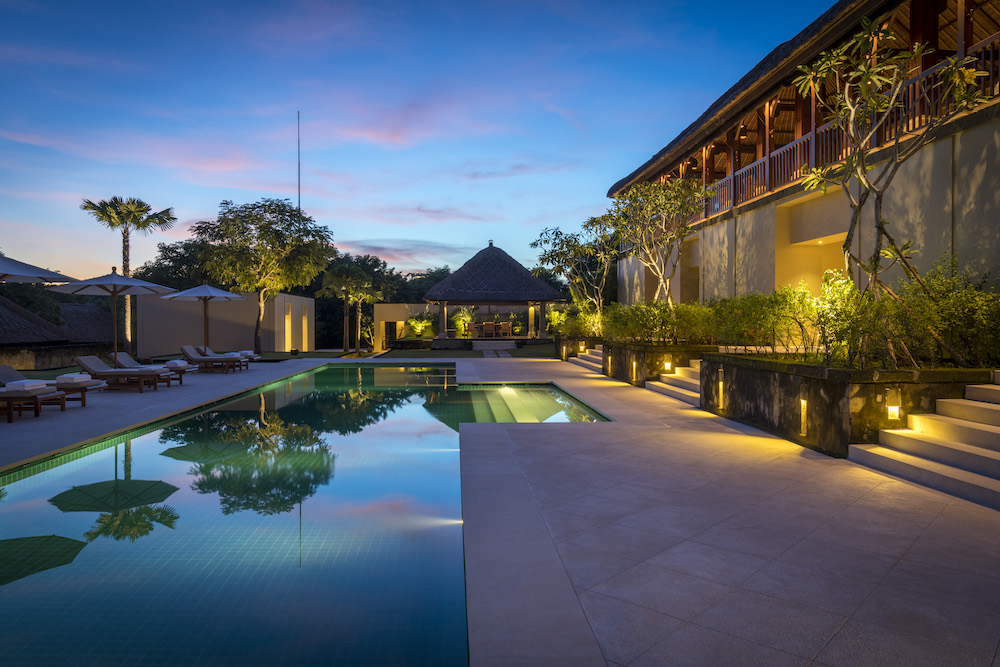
{"x":531,"y":319}
{"x":542,"y":320}
{"x":442,"y":319}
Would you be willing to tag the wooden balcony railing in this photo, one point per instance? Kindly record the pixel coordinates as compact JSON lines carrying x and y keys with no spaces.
{"x":920,"y":101}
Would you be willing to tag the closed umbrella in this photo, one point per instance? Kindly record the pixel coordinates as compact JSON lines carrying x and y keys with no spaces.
{"x":13,"y":271}
{"x":113,"y":285}
{"x":204,"y":293}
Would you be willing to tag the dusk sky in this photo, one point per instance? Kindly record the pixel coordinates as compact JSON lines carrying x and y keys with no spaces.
{"x":428,"y":128}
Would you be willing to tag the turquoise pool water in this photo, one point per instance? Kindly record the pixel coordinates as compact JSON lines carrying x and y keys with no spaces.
{"x":315,"y":522}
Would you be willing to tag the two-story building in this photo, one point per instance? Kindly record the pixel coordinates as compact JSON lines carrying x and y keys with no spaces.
{"x":762,"y":230}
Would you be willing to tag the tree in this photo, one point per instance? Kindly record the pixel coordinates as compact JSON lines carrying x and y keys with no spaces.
{"x":585,"y":258}
{"x":652,"y":221}
{"x":264,"y":247}
{"x":884,"y":117}
{"x":342,"y":280}
{"x":179,"y":265}
{"x":128,"y":215}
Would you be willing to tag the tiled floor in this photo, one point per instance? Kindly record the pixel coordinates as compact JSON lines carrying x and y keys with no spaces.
{"x":682,"y":538}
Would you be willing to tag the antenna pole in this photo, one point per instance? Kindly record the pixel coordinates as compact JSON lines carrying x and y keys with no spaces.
{"x":298,"y":131}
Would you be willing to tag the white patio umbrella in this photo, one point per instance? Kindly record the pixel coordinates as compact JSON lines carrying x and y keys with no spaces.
{"x":204,"y":293}
{"x":13,"y":271}
{"x":113,"y":285}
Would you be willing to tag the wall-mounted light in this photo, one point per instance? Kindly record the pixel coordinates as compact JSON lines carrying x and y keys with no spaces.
{"x":720,"y":379}
{"x":583,"y":346}
{"x":668,"y":363}
{"x":803,"y":408}
{"x":893,"y":402}
{"x":635,"y":372}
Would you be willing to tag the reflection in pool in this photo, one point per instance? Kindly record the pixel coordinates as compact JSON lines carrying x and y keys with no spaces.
{"x":318,"y":521}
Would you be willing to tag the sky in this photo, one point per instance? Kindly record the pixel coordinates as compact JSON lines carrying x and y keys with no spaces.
{"x":428,"y":128}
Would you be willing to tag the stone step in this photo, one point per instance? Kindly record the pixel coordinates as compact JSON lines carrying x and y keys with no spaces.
{"x":587,"y":363}
{"x":973,"y":411}
{"x":956,"y":454}
{"x":958,"y":430}
{"x":687,"y":384}
{"x":961,"y":483}
{"x":695,"y":364}
{"x":689,"y":373}
{"x":673,"y":391}
{"x":988,"y":393}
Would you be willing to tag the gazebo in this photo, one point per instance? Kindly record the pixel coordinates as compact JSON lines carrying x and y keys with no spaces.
{"x":492,"y":277}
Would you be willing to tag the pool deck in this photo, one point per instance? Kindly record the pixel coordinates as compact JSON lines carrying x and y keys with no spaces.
{"x":667,"y":536}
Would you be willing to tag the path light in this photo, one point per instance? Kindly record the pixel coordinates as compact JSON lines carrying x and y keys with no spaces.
{"x":893,"y":402}
{"x":802,"y":409}
{"x":721,"y":405}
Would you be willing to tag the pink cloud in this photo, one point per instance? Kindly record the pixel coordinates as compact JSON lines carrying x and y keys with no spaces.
{"x":410,"y":254}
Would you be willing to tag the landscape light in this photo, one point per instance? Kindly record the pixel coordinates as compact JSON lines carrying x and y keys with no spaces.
{"x":668,"y":363}
{"x":893,"y":403}
{"x":720,"y":376}
{"x":802,"y":409}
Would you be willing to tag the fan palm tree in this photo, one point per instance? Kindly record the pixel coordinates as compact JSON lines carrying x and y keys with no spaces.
{"x":128,"y":215}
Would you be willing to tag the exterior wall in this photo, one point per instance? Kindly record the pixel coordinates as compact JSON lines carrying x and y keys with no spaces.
{"x":754,"y":261}
{"x":718,"y":253}
{"x":163,"y":325}
{"x":945,"y":199}
{"x":633,"y":281}
{"x":398,"y":313}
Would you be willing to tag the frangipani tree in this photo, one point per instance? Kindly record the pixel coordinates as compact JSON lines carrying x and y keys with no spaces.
{"x":584,"y":257}
{"x":885,"y":115}
{"x":264,"y":247}
{"x":127,"y":216}
{"x":653,"y":219}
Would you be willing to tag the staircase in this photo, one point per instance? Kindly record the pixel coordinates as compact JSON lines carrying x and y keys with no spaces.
{"x":591,"y":359}
{"x":685,"y":385}
{"x":956,"y":450}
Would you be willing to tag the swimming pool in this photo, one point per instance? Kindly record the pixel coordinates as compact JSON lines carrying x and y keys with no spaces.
{"x":315,"y":522}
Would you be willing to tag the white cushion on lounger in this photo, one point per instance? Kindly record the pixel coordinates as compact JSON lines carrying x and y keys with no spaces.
{"x":176,"y":363}
{"x":233,"y":355}
{"x":73,"y":377}
{"x":23,"y":393}
{"x":25,"y":385}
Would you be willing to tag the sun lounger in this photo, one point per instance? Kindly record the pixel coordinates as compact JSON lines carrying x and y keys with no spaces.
{"x":74,"y":385}
{"x":118,"y":378}
{"x":207,"y":363}
{"x":36,"y":397}
{"x":177,"y":367}
{"x":245,"y":356}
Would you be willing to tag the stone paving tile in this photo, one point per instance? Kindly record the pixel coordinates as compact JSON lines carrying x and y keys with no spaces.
{"x":785,"y":626}
{"x":694,"y":646}
{"x":668,"y":522}
{"x":831,"y":591}
{"x":765,"y":541}
{"x":588,"y":567}
{"x":665,"y":591}
{"x":724,"y":566}
{"x":599,"y":508}
{"x":952,"y":623}
{"x":564,"y":525}
{"x":838,"y":559}
{"x":867,"y":644}
{"x":625,"y":630}
{"x":624,"y":541}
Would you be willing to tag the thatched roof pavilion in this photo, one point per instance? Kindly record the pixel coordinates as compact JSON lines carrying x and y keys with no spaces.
{"x":492,"y":277}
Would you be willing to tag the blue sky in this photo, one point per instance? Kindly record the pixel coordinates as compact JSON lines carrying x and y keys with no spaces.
{"x":428,"y":128}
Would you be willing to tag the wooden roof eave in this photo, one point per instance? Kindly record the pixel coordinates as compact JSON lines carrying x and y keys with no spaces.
{"x":756,"y":93}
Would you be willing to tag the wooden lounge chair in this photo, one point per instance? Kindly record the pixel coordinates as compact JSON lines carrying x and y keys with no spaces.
{"x":207,"y":363}
{"x":245,"y":357}
{"x":120,"y":378}
{"x":74,"y":385}
{"x":125,"y":360}
{"x":34,"y":398}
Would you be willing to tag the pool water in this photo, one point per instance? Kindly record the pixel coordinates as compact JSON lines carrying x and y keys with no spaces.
{"x":315,"y":522}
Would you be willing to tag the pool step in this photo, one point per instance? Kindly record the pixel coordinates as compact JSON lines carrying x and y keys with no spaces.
{"x":501,"y":413}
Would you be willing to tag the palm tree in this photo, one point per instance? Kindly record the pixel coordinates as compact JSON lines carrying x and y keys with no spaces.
{"x":129,"y":215}
{"x":342,"y":281}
